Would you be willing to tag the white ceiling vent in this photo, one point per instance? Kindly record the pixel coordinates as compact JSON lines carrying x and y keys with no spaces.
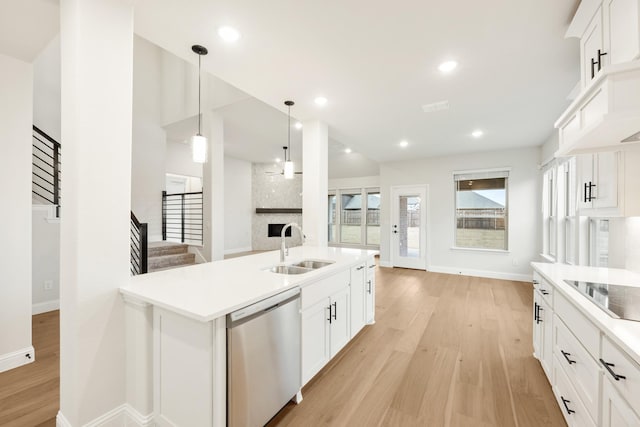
{"x":436,"y":106}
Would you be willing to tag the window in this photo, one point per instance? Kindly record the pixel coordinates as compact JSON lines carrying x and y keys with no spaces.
{"x":333,"y":231}
{"x":598,"y":242}
{"x":549,"y":212}
{"x":354,"y":217}
{"x":570,"y":221}
{"x":373,"y":217}
{"x":481,"y":210}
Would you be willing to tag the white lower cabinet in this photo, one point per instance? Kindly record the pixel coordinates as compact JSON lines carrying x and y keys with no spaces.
{"x":370,"y":293}
{"x":543,"y":331}
{"x":616,"y":412}
{"x":572,"y":408}
{"x":326,"y":323}
{"x":358,"y":290}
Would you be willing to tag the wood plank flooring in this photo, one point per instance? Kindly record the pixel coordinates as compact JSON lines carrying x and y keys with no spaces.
{"x":30,"y":394}
{"x":445,"y":351}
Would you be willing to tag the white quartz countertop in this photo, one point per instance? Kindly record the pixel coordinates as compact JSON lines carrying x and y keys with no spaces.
{"x":207,"y":291}
{"x":625,"y":333}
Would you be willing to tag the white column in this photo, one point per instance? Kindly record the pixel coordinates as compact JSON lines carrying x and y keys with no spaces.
{"x":213,"y":187}
{"x":97,"y":74}
{"x":315,"y":182}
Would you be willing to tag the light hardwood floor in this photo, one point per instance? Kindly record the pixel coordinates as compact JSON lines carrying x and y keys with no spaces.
{"x":30,"y":394}
{"x":445,"y":351}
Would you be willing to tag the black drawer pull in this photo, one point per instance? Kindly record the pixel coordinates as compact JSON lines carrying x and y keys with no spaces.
{"x":565,"y":401}
{"x":608,"y":367}
{"x":539,"y":319}
{"x":566,"y":356}
{"x":544,"y":292}
{"x":535,"y":311}
{"x":360,"y":268}
{"x":329,"y":319}
{"x":335,"y":310}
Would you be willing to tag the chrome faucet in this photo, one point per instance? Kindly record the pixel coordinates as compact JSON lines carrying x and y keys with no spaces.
{"x":284,"y":251}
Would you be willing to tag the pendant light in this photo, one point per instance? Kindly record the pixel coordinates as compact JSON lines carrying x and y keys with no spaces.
{"x":288,"y":164}
{"x":199,"y":142}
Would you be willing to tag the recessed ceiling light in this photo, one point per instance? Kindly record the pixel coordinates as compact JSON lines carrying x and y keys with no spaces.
{"x":347,"y":150}
{"x":228,"y":34}
{"x":404,"y":144}
{"x":298,"y":125}
{"x":278,"y":159}
{"x":448,"y":66}
{"x":477,"y":133}
{"x":320,"y":101}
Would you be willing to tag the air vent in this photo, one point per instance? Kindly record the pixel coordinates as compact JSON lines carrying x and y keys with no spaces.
{"x":633,"y":138}
{"x":436,"y":106}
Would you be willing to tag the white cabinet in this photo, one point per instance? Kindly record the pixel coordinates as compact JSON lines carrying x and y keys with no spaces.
{"x":591,"y":49}
{"x":358,"y":290}
{"x":542,"y":331}
{"x":597,"y":183}
{"x":621,"y":29}
{"x":326,"y":324}
{"x":616,"y":412}
{"x":370,"y":292}
{"x":573,"y":409}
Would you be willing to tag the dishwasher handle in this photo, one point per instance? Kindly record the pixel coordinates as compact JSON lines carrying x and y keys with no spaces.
{"x":245,"y":314}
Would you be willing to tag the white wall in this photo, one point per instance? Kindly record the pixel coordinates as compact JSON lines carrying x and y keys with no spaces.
{"x":16,"y":115}
{"x":356,"y":182}
{"x":237,"y":205}
{"x":438,"y":174}
{"x":179,"y":160}
{"x":46,"y":259}
{"x":149,"y":146}
{"x":548,"y":149}
{"x":46,"y":89}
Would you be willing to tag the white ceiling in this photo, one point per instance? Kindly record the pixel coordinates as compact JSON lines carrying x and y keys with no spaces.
{"x":27,"y":26}
{"x":377,"y":62}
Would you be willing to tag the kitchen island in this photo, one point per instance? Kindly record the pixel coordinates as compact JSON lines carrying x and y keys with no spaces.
{"x":176,"y":325}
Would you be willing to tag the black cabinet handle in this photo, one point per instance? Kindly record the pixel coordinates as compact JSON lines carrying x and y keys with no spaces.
{"x":608,"y":367}
{"x":544,"y":292}
{"x":535,"y":311}
{"x":538,"y":318}
{"x":329,"y":319}
{"x":535,"y":282}
{"x":600,"y":55}
{"x":591,"y":196}
{"x":360,"y":268}
{"x":369,"y":287}
{"x":593,"y":65}
{"x":565,"y":401}
{"x":335,"y":310}
{"x":566,"y":356}
{"x":585,"y":192}
{"x":372,"y":266}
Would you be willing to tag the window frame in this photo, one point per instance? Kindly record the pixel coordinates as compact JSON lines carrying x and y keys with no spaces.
{"x":363,"y":191}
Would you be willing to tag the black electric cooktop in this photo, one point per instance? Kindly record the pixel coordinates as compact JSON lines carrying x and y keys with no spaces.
{"x":618,"y":301}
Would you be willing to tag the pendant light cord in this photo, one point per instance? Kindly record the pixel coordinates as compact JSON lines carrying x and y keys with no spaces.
{"x":199,"y":90}
{"x":289,"y":138}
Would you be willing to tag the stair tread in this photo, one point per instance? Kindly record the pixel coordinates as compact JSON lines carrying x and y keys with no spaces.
{"x":156,"y":249}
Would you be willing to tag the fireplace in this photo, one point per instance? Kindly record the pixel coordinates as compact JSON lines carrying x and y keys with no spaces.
{"x":274,"y":230}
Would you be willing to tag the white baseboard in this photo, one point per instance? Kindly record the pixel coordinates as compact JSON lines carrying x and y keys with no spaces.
{"x":385,"y":263}
{"x":50,"y":212}
{"x":482,"y":273}
{"x":196,"y":250}
{"x":45,"y":307}
{"x":17,"y":358}
{"x":237,"y":250}
{"x":123,"y":415}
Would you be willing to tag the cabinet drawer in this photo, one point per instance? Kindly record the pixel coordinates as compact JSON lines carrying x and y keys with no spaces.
{"x":572,"y":408}
{"x":582,"y":370}
{"x":314,"y":292}
{"x":544,"y":287}
{"x":371,"y":268}
{"x":585,"y":331}
{"x":621,"y":365}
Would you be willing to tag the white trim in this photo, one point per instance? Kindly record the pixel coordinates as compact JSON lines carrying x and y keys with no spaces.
{"x":470,"y":171}
{"x":421,"y":263}
{"x":385,"y":263}
{"x":494,"y":251}
{"x":50,"y":210}
{"x":136,"y":418}
{"x":131,"y":300}
{"x":237,"y":250}
{"x":547,"y":258}
{"x":200,"y":259}
{"x":17,"y":358}
{"x":45,"y":307}
{"x":113,"y":416}
{"x":61,"y":420}
{"x":482,"y":273}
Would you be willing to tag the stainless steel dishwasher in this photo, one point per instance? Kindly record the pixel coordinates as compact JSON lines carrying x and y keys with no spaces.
{"x":263,"y":359}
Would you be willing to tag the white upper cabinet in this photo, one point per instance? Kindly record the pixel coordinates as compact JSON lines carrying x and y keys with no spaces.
{"x":606,"y":113}
{"x":621,"y":27}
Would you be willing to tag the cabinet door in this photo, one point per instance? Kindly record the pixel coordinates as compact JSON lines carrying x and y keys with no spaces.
{"x":615,"y":410}
{"x":340,"y":322}
{"x":621,"y":21}
{"x":546,"y":316}
{"x":585,"y":178}
{"x":315,"y":339}
{"x":370,"y":299}
{"x":590,"y":42}
{"x":538,"y":327}
{"x":357,"y":298}
{"x":606,"y":170}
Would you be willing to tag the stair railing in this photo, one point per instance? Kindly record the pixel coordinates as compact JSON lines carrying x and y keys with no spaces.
{"x":139,"y":246}
{"x":46,"y":173}
{"x":182,"y":217}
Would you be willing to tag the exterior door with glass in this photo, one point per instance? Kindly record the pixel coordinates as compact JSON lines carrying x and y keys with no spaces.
{"x":408,"y":227}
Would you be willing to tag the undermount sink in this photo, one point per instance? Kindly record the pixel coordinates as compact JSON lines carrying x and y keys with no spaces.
{"x":301,"y":267}
{"x":313,"y":264}
{"x":289,"y":269}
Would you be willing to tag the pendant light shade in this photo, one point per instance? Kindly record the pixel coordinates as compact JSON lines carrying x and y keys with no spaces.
{"x":288,"y":164}
{"x":199,"y":142}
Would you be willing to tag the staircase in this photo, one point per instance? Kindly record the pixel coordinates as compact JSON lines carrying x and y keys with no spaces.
{"x":166,"y":255}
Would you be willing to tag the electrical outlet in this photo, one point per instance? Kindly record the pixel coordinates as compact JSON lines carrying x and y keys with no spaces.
{"x":48,"y":285}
